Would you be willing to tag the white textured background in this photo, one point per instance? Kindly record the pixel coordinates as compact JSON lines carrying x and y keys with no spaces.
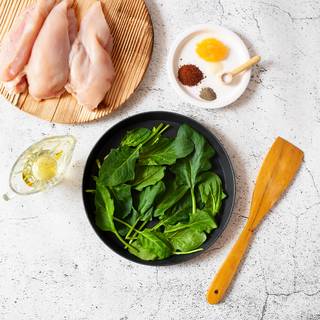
{"x":53,"y":266}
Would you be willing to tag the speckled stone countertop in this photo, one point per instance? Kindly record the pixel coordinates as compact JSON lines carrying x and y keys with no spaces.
{"x":53,"y":266}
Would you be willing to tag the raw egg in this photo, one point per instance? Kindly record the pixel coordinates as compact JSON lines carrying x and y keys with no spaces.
{"x":212,"y":50}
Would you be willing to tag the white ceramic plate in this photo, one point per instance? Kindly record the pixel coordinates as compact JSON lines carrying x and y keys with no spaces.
{"x":183,"y":51}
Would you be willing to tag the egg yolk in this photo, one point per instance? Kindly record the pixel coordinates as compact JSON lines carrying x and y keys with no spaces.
{"x":212,"y":50}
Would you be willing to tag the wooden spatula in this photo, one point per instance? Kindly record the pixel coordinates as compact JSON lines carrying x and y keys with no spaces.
{"x":278,"y":169}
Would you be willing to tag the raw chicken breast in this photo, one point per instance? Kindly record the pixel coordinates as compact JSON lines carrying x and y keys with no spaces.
{"x":18,"y":84}
{"x":91,"y":68}
{"x":48,"y":67}
{"x":15,"y":49}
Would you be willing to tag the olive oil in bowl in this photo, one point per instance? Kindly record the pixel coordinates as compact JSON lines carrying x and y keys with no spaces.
{"x":41,"y":166}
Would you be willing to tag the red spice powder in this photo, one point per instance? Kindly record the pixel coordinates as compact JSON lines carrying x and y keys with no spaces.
{"x":190,"y":75}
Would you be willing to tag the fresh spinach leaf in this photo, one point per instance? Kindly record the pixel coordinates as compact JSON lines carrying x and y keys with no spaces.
{"x":167,"y":150}
{"x":200,"y":221}
{"x":179,"y":212}
{"x":172,"y":195}
{"x":187,"y":169}
{"x":147,"y":216}
{"x":182,"y":215}
{"x":104,"y":208}
{"x":151,"y":245}
{"x":148,"y":196}
{"x":211,"y":193}
{"x":122,"y":199}
{"x":160,"y":153}
{"x":147,"y":176}
{"x":104,"y":217}
{"x":118,"y":166}
{"x":135,"y":137}
{"x":188,"y":239}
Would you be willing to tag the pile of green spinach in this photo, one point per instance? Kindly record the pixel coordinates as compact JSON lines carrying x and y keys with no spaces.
{"x":157,"y":194}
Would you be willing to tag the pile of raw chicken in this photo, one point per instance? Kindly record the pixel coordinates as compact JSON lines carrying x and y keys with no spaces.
{"x":45,"y":53}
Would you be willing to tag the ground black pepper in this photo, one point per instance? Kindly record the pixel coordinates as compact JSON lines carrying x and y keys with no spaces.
{"x":208,"y":94}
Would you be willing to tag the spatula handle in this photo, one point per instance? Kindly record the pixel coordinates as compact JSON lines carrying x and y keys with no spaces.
{"x":223,"y":278}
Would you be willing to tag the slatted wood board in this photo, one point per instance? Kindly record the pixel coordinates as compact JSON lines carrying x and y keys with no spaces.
{"x":131,"y":27}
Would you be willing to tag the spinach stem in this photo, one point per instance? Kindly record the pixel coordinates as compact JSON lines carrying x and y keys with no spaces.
{"x":90,"y":191}
{"x":152,"y":134}
{"x":187,"y":252}
{"x":158,"y":131}
{"x":158,"y":134}
{"x":174,"y":230}
{"x":124,"y":223}
{"x":144,"y":223}
{"x":98,"y":163}
{"x":163,"y":129}
{"x":172,"y":234}
{"x":138,"y":231}
{"x":131,"y":229}
{"x":193,"y":199}
{"x":126,"y":245}
{"x":158,"y":225}
{"x":155,"y":133}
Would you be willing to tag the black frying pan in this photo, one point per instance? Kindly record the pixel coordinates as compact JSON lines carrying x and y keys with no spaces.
{"x":111,"y":139}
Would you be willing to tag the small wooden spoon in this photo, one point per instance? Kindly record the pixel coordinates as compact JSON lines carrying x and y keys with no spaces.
{"x":278,"y":169}
{"x":227,"y":77}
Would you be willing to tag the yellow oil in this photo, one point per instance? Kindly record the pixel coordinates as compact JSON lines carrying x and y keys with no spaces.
{"x":45,"y":168}
{"x":41,"y":168}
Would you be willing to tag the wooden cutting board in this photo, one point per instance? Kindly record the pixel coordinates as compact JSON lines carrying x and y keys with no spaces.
{"x":131,"y":27}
